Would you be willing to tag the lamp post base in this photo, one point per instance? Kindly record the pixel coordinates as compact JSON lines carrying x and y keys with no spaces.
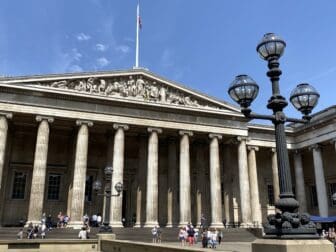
{"x":105,"y":229}
{"x":290,"y":226}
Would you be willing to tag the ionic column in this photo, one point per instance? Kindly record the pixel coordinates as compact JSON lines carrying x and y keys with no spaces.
{"x":299,"y":182}
{"x":141,"y":176}
{"x":227,"y":170}
{"x":215,"y":182}
{"x":79,"y":178}
{"x":152,"y":178}
{"x":118,"y":174}
{"x":172,"y":183}
{"x":275,"y":174}
{"x":36,"y":199}
{"x":3,"y":140}
{"x":244,"y":184}
{"x":200,"y":193}
{"x":253,"y":175}
{"x":185,"y":198}
{"x":320,"y":181}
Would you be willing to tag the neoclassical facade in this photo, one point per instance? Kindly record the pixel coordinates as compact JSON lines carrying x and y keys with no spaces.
{"x":178,"y":153}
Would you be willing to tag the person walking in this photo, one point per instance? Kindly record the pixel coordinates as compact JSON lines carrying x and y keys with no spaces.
{"x":191,"y":233}
{"x":181,"y":236}
{"x":154,"y":234}
{"x":204,"y":238}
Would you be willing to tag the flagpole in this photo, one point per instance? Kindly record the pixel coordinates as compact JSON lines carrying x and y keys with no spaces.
{"x":137,"y":38}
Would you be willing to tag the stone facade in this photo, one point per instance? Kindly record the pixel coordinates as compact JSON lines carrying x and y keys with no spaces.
{"x":178,"y":153}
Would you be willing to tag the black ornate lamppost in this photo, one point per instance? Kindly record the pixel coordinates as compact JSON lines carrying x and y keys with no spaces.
{"x":97,"y":186}
{"x":288,"y":223}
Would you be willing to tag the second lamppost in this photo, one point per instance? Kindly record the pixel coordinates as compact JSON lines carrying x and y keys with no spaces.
{"x":288,"y":223}
{"x":97,"y":186}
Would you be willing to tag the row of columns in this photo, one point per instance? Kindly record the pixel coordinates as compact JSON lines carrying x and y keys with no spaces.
{"x":247,"y":168}
{"x":76,"y":207}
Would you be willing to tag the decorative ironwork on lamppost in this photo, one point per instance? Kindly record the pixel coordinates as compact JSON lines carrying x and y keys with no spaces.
{"x":97,"y":186}
{"x":288,"y":223}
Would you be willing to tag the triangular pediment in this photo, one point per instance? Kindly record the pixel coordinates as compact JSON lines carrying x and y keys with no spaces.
{"x":135,"y":85}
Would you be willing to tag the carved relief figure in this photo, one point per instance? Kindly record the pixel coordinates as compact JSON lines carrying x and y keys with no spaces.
{"x":131,"y":87}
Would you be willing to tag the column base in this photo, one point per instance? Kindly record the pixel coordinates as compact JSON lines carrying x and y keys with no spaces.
{"x":75,"y":224}
{"x":116,"y":224}
{"x":276,"y":245}
{"x":183,"y":223}
{"x":246,"y":225}
{"x":137,"y":225}
{"x":151,"y":224}
{"x":169,"y":225}
{"x":217,"y":225}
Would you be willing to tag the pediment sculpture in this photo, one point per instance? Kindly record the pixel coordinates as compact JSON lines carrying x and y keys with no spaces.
{"x":131,"y":87}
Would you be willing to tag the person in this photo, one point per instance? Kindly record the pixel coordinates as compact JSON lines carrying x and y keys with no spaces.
{"x":30,"y":231}
{"x":88,"y":230}
{"x":99,"y":219}
{"x":82,"y":234}
{"x":159,"y":235}
{"x":94,"y":220}
{"x":35,"y":231}
{"x":191,"y":233}
{"x":49,"y":222}
{"x":181,"y":236}
{"x":224,"y":223}
{"x":85,"y":219}
{"x":65,"y":220}
{"x":60,"y":220}
{"x":43,"y":219}
{"x":212,"y":236}
{"x":196,"y":235}
{"x":43,"y":231}
{"x":204,"y":238}
{"x":19,"y":235}
{"x":220,"y":236}
{"x":203,"y":221}
{"x":154,"y":234}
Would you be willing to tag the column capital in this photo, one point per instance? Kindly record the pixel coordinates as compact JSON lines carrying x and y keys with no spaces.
{"x":40,"y":118}
{"x":8,"y":115}
{"x":152,"y":129}
{"x":122,"y":126}
{"x":333,"y":141}
{"x":253,"y":147}
{"x":214,"y":135}
{"x":81,"y":122}
{"x":241,"y":138}
{"x":297,"y":151}
{"x":186,"y":132}
{"x":316,"y":147}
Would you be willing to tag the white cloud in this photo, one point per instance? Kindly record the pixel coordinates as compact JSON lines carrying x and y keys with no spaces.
{"x":75,"y":68}
{"x":123,"y":49}
{"x":103,"y":62}
{"x":101,"y":47}
{"x":68,"y":61}
{"x":75,"y":55}
{"x":82,"y":36}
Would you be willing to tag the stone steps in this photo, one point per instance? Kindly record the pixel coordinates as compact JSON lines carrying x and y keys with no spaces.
{"x":132,"y":234}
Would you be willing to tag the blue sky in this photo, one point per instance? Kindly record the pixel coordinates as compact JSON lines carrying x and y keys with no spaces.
{"x":202,"y":44}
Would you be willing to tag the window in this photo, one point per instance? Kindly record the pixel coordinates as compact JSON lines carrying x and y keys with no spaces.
{"x":313,"y":196}
{"x":88,"y":188}
{"x":270,"y":193}
{"x":332,"y":190}
{"x":19,"y":185}
{"x":54,"y":182}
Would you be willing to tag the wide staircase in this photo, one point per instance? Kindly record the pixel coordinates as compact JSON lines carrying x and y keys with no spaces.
{"x":132,"y":234}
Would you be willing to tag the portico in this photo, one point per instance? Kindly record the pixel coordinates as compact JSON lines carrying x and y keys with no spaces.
{"x":178,"y":153}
